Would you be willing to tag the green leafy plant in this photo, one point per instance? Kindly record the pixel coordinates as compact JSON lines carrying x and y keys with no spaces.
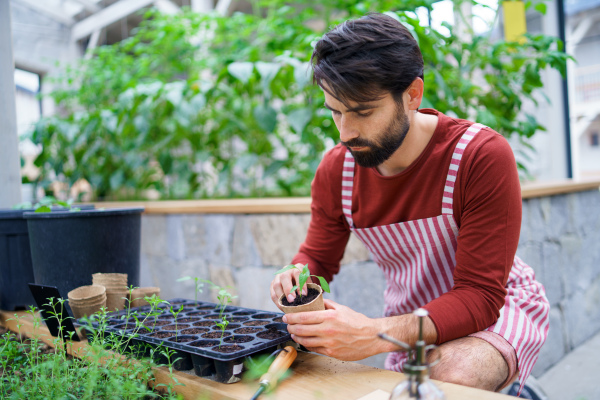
{"x":223,"y":325}
{"x":303,"y":277}
{"x":46,"y":204}
{"x":237,"y":116}
{"x":175,"y":313}
{"x":28,"y":372}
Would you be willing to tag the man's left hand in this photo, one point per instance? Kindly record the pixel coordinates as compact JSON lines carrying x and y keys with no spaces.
{"x":337,"y":332}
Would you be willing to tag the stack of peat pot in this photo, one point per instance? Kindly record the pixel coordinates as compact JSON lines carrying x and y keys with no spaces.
{"x":86,"y":300}
{"x":116,"y":289}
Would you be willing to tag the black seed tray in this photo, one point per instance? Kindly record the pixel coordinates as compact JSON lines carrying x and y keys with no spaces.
{"x":266,"y":330}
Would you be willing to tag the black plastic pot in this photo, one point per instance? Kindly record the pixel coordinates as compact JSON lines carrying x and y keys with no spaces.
{"x":68,"y":247}
{"x":15,"y":261}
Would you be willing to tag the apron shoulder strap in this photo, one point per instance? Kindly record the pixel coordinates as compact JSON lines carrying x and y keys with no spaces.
{"x":447,"y":199}
{"x":347,"y":184}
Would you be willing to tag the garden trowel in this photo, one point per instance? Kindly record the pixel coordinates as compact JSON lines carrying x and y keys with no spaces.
{"x":281,"y":363}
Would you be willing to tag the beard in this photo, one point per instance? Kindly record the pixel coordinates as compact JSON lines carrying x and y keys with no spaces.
{"x":385,"y":143}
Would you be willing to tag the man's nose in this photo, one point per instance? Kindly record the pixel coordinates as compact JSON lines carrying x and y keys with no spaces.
{"x":347,"y":130}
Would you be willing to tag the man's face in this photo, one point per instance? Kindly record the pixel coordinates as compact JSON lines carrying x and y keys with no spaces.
{"x":372,"y":131}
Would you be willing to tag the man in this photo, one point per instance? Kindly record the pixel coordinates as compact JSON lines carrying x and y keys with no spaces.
{"x":437,"y":202}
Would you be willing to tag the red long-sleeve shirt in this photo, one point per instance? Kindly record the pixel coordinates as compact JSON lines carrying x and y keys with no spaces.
{"x":487,"y":210}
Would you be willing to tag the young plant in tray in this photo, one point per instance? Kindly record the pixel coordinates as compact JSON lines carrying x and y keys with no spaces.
{"x":224,"y":298}
{"x":303,"y":277}
{"x":175,"y":314}
{"x":223,"y":325}
{"x":198,"y":284}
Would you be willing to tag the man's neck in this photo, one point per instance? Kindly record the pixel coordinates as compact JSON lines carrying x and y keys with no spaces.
{"x":422,"y":127}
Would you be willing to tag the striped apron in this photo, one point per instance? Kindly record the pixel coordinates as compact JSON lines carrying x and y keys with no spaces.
{"x":418,"y":260}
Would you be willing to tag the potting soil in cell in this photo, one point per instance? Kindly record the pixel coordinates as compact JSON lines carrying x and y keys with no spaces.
{"x":255,"y":331}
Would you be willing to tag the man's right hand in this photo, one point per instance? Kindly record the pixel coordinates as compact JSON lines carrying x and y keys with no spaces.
{"x":284,"y":282}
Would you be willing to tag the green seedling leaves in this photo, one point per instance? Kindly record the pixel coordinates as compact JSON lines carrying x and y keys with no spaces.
{"x":303,"y":277}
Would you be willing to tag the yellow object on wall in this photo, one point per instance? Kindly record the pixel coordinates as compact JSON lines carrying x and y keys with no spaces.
{"x":514,"y":21}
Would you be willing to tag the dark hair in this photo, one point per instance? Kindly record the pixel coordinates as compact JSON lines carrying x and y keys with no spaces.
{"x":361,"y":59}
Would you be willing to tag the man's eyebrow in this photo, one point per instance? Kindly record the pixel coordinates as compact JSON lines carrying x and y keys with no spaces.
{"x":360,"y":107}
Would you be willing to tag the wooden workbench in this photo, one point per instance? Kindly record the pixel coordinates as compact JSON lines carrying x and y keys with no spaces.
{"x":313,"y":376}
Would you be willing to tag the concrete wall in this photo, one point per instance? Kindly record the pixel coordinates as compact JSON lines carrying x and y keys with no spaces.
{"x":559,"y":239}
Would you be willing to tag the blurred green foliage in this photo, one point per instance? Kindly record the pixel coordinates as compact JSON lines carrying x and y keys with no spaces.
{"x":196,"y":106}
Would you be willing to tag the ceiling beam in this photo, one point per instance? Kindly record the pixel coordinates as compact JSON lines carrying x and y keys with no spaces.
{"x":52,"y":12}
{"x":89,"y":5}
{"x":107,"y":16}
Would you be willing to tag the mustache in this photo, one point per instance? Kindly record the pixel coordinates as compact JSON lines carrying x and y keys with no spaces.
{"x":357,"y":142}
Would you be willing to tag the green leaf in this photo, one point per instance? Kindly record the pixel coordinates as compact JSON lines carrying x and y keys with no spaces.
{"x":266,"y":117}
{"x":284,"y":269}
{"x":267,"y":71}
{"x":541,"y":8}
{"x":43,"y":209}
{"x":298,"y":119}
{"x":241,"y":70}
{"x":323,"y":282}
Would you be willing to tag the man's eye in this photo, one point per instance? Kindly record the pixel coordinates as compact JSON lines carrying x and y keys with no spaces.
{"x":335,"y":113}
{"x":363,"y":114}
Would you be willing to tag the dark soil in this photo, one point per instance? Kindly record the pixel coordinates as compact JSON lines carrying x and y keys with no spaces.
{"x":175,"y":327}
{"x":184,"y":320}
{"x":194,"y":331}
{"x":238,"y":339}
{"x":204,"y":323}
{"x":151,"y":324}
{"x":246,"y":331}
{"x":243,"y":313}
{"x":212,"y":335}
{"x":198,"y":313}
{"x":238,"y":319}
{"x":298,"y":301}
{"x":212,"y":317}
{"x":271,"y":334}
{"x":162,"y":335}
{"x":256,"y":323}
{"x":229,"y":327}
{"x":231,"y":348}
{"x":278,"y":319}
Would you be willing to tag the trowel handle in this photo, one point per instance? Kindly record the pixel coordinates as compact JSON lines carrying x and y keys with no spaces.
{"x":281,"y":363}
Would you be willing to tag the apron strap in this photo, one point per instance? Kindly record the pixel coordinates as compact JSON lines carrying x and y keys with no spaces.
{"x":347,"y":184}
{"x":469,"y":134}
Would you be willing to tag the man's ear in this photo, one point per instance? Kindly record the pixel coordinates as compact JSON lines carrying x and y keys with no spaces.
{"x":414,"y":94}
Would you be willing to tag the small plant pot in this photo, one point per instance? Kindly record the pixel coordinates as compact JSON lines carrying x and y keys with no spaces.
{"x":315,"y":305}
{"x":115,"y":299}
{"x":86,"y":310}
{"x":87,"y":294}
{"x":138,"y":294}
{"x":109,"y":279}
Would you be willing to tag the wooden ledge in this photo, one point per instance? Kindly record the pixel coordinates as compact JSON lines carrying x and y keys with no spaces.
{"x":540,"y":189}
{"x":301,"y":205}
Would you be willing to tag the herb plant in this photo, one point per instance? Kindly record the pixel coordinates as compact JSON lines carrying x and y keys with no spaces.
{"x":303,"y":277}
{"x":198,"y":284}
{"x":29,"y":371}
{"x":224,"y":298}
{"x":223,"y":325}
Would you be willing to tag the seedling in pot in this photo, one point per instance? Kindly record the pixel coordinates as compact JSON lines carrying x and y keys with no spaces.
{"x":175,"y":314}
{"x":223,"y":325}
{"x":304,"y":274}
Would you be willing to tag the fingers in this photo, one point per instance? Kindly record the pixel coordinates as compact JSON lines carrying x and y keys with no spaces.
{"x":283,"y":284}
